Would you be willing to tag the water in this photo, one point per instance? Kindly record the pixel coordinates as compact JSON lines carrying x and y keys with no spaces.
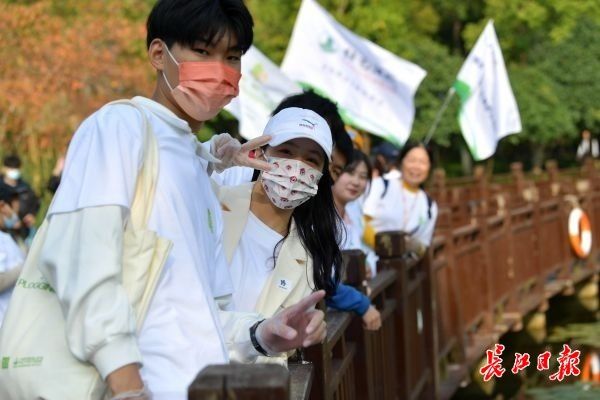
{"x":563,"y":312}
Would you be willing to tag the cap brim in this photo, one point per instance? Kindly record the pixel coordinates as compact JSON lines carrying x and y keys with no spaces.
{"x":286,"y":137}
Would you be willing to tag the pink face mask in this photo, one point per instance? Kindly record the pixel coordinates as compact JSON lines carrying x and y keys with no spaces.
{"x":205,"y":87}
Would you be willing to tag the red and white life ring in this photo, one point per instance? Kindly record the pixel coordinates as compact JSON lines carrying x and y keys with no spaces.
{"x":580,"y":232}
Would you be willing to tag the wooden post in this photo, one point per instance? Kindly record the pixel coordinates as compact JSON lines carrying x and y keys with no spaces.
{"x":241,"y":382}
{"x":390,"y":246}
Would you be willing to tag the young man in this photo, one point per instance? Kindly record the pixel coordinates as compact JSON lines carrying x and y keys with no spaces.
{"x":195,"y":46}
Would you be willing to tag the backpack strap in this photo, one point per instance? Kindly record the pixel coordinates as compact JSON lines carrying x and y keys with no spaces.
{"x":143,"y":199}
{"x":386,"y":183}
{"x":429,"y":204}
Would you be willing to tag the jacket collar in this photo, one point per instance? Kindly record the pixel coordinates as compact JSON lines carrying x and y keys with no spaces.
{"x":293,"y":264}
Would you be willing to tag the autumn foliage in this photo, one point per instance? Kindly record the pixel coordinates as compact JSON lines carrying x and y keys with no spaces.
{"x":56,"y":69}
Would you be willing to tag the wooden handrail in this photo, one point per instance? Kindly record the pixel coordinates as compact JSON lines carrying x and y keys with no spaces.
{"x":490,"y":264}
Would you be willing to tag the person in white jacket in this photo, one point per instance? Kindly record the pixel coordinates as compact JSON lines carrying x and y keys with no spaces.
{"x":195,"y":48}
{"x":11,"y":261}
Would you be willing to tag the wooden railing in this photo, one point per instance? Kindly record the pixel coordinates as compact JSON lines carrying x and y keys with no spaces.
{"x":501,"y":250}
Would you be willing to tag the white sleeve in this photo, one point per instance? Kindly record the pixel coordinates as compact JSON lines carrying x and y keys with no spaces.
{"x":103,"y":161}
{"x":81,"y":258}
{"x":425,"y":234}
{"x":233,"y":176}
{"x":221,"y":283}
{"x":236,"y":330}
{"x":372,"y":200}
{"x":13,"y":256}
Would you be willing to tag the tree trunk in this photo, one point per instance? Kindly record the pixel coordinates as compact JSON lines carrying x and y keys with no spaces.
{"x":466,"y":161}
{"x":538,"y":156}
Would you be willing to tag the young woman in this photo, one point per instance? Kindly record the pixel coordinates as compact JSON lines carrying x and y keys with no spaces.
{"x":281,"y":232}
{"x":350,"y":185}
{"x":401,"y":204}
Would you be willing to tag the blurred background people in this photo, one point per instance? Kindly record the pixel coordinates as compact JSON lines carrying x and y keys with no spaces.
{"x":385,"y":157}
{"x":28,"y":203}
{"x":11,"y":261}
{"x":54,"y":179}
{"x":588,"y":147}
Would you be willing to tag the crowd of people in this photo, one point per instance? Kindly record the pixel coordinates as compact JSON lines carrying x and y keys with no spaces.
{"x":251,"y":234}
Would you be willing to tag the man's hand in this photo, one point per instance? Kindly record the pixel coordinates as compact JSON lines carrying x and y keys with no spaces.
{"x":125,"y":379}
{"x":231,"y":152}
{"x":372,"y":319}
{"x":297,"y":326}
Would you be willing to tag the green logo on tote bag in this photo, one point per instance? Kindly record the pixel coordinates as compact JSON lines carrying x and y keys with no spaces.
{"x":5,"y":362}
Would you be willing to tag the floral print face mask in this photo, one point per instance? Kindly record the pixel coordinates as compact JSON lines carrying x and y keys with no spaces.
{"x":290,"y":183}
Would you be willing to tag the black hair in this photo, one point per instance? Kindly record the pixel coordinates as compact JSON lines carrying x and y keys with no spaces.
{"x":319,"y":228}
{"x":8,"y":194}
{"x":186,"y":22}
{"x":357,"y":158}
{"x":328,"y":110}
{"x":12,"y":161}
{"x":412,"y":144}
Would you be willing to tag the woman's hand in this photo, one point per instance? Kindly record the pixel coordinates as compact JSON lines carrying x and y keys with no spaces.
{"x":297,"y":326}
{"x":372,"y":319}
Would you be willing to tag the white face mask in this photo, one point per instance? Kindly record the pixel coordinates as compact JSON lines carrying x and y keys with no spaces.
{"x":10,"y":222}
{"x":13,"y":174}
{"x":290,"y":183}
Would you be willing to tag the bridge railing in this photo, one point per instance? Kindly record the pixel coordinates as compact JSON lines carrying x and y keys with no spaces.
{"x":505,"y":254}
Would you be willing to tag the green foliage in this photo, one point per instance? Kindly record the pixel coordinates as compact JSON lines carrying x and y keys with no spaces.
{"x":574,"y":65}
{"x":544,"y":117}
{"x":587,"y":334}
{"x":550,"y":47}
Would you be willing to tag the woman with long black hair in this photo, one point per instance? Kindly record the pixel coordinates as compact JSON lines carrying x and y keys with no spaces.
{"x":281,"y":233}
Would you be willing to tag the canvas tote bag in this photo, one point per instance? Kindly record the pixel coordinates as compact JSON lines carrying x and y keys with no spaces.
{"x":35,"y":361}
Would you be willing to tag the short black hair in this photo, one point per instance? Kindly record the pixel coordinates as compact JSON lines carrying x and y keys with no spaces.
{"x":12,"y":161}
{"x":328,"y":110}
{"x":188,"y":21}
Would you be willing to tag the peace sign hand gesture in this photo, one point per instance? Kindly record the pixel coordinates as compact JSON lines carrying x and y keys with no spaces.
{"x":227,"y":152}
{"x":297,"y":326}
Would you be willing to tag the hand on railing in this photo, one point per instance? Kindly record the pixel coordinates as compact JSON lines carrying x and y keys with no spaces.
{"x":297,"y":326}
{"x":372,"y":319}
{"x":414,"y":248}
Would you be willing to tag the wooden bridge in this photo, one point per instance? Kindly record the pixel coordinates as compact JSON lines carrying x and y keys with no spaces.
{"x":501,"y":250}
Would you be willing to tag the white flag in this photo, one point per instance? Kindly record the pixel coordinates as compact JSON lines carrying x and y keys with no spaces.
{"x":374,"y":88}
{"x":262,"y":88}
{"x":488,"y":109}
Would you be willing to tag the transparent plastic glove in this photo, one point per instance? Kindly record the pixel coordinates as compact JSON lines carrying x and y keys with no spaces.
{"x":297,"y":326}
{"x":142,"y":394}
{"x":229,"y":152}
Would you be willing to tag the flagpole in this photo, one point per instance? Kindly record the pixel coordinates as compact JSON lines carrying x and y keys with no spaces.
{"x":439,"y":114}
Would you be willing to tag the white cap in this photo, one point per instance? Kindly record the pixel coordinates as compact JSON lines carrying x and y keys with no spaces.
{"x":294,"y":123}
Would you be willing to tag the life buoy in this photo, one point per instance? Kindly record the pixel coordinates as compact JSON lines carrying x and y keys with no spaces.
{"x":580,"y":232}
{"x":591,"y":368}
